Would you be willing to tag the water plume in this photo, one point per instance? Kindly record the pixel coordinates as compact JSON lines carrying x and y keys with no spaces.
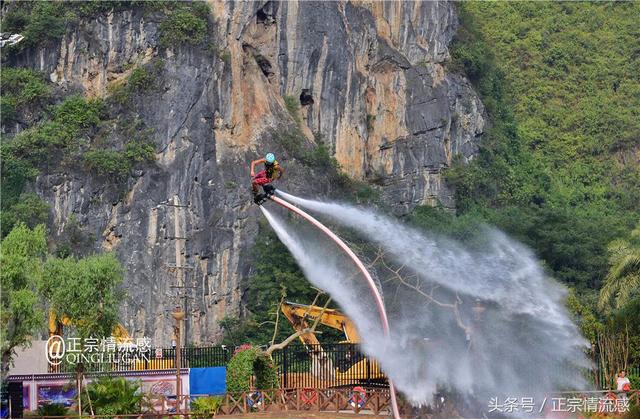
{"x":485,"y":323}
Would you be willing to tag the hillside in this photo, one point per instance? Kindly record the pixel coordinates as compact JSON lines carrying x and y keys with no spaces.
{"x":560,"y":166}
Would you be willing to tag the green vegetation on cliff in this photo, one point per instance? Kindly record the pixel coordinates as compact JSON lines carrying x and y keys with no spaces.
{"x":558,"y":168}
{"x":21,"y":87}
{"x":44,"y":22}
{"x":65,"y":134}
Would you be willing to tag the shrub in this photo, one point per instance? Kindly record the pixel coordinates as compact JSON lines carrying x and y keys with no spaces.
{"x":140,"y":80}
{"x":208,"y":405}
{"x":183,"y":26}
{"x":118,"y":163}
{"x":139,"y":151}
{"x":245,"y":363}
{"x":23,"y":85}
{"x":293,"y":107}
{"x":320,"y":157}
{"x":29,"y":209}
{"x":77,"y":113}
{"x":52,"y":409}
{"x":107,"y":163}
{"x":39,"y":22}
{"x":22,"y":155}
{"x":16,"y":19}
{"x":16,"y":172}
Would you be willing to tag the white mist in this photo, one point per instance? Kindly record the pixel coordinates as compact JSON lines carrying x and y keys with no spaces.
{"x":489,"y":323}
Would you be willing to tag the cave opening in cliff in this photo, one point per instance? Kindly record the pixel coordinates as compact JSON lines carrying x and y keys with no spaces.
{"x":264,"y":64}
{"x":306,"y":98}
{"x":265,"y":14}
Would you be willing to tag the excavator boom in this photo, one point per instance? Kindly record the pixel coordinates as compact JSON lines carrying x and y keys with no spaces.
{"x":300,"y":315}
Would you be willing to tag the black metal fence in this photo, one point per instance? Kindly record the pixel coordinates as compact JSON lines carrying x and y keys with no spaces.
{"x":329,"y":365}
{"x":149,"y":359}
{"x":299,"y":366}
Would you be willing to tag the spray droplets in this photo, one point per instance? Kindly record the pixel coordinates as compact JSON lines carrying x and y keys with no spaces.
{"x":484,"y":323}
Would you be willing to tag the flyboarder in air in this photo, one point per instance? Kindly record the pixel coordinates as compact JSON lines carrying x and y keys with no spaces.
{"x":265,"y":177}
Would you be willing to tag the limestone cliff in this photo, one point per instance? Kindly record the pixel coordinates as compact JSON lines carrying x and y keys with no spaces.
{"x":369,"y":78}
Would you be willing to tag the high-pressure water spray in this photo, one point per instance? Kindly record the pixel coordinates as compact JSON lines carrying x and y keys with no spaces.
{"x":371,"y":284}
{"x":484,"y":320}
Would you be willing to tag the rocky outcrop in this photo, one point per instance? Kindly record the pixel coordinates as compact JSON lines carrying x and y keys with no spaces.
{"x":368,"y":76}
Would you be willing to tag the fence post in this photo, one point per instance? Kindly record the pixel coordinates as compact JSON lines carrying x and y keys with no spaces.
{"x":285,"y":367}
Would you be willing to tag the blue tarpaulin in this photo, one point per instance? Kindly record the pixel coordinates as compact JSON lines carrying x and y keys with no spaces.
{"x":210,"y":380}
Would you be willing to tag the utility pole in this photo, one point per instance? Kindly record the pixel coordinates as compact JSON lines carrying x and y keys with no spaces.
{"x":180,"y":270}
{"x":178,"y":316}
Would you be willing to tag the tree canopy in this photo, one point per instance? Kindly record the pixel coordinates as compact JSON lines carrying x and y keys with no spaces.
{"x":22,"y":255}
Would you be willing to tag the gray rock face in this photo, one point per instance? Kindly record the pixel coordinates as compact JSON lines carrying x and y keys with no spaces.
{"x":369,"y":77}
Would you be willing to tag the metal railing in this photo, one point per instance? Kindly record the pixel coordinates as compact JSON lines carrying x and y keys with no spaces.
{"x":329,"y":365}
{"x":151,"y":359}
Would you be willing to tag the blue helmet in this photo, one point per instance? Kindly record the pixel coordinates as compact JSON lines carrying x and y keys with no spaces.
{"x":270,"y":158}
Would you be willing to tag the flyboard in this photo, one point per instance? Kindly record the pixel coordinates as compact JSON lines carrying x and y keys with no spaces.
{"x":269,"y":193}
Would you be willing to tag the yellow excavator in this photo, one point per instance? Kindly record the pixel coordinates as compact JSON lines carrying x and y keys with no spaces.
{"x":348,"y":368}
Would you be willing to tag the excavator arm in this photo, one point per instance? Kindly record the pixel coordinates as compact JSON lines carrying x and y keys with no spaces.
{"x":300,"y":315}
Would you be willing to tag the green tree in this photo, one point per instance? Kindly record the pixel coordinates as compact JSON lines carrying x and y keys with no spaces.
{"x":22,"y":255}
{"x":87,"y":291}
{"x":185,"y":26}
{"x":30,"y":210}
{"x":246,"y":362}
{"x":275,"y":272}
{"x":623,"y":280}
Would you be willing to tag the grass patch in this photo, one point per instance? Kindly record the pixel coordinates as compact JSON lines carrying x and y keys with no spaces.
{"x":141,"y":79}
{"x":293,"y":107}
